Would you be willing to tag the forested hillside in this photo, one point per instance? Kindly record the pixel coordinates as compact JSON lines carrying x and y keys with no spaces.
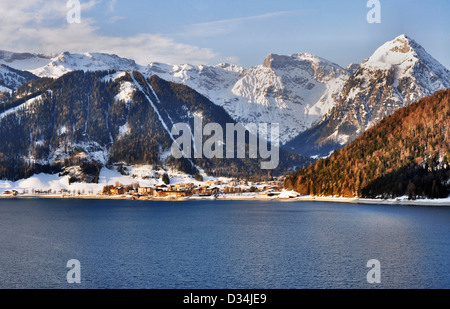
{"x":407,"y":153}
{"x":89,"y":120}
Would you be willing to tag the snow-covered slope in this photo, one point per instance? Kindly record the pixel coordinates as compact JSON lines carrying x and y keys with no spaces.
{"x":11,"y":79}
{"x":416,"y":73}
{"x":24,"y":61}
{"x":67,"y":62}
{"x":145,"y":175}
{"x":51,"y":66}
{"x":294,"y":91}
{"x":398,"y":73}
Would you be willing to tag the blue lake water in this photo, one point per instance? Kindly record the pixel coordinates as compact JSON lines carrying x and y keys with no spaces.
{"x":221,"y":244}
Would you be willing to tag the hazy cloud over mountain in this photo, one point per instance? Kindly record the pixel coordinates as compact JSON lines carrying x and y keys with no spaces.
{"x":42,"y":26}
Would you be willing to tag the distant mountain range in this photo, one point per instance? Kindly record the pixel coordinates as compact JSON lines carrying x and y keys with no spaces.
{"x":56,"y":66}
{"x":294,"y":91}
{"x":319,"y":105}
{"x":406,"y":154}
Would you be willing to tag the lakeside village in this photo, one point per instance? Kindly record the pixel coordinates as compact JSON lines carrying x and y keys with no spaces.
{"x":206,"y":189}
{"x":210,"y":189}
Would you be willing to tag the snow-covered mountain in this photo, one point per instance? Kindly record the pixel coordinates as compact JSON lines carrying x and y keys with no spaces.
{"x":398,"y":73}
{"x":11,"y":79}
{"x":294,"y":91}
{"x":67,"y":62}
{"x":215,"y":82}
{"x":54,"y":67}
{"x":24,"y":61}
{"x":416,"y":73}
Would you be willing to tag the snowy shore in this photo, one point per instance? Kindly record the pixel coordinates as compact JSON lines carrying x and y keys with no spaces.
{"x":397,"y":201}
{"x":249,"y":197}
{"x":54,"y":184}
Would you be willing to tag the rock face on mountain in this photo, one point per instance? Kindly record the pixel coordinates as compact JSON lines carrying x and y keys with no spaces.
{"x":397,"y":74}
{"x":67,"y":62}
{"x":294,"y":91}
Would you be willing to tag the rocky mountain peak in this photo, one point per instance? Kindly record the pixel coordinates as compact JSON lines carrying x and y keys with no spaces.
{"x":274,"y":61}
{"x":399,"y":73}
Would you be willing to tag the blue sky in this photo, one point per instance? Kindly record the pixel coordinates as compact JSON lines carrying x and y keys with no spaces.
{"x":213,"y":31}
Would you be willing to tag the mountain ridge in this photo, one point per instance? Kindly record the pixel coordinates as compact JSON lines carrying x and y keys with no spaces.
{"x":398,"y":73}
{"x":319,"y":105}
{"x":294,"y":91}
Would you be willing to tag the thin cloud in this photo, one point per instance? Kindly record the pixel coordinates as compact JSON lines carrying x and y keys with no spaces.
{"x":115,"y":19}
{"x":227,"y":25}
{"x":112,"y":5}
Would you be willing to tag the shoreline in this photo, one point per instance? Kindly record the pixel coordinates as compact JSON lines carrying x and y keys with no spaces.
{"x":361,"y":201}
